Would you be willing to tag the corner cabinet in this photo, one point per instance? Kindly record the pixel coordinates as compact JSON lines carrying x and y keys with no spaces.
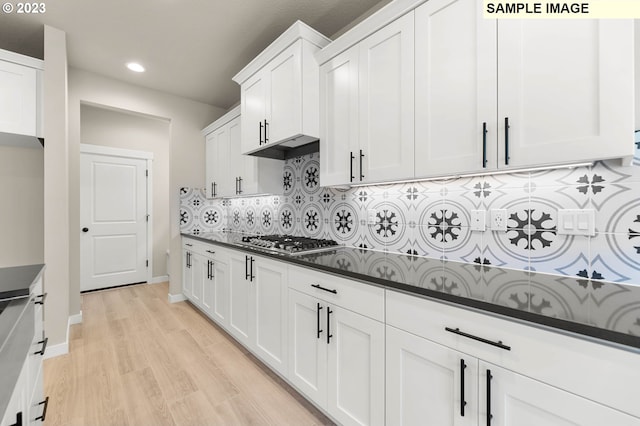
{"x":21,"y":100}
{"x":562,"y":89}
{"x":231,"y":174}
{"x":366,"y":108}
{"x":279,"y":90}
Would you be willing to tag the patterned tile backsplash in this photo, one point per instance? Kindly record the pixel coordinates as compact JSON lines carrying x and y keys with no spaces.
{"x":433,"y":218}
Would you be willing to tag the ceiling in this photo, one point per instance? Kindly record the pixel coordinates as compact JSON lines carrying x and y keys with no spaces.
{"x":190,"y":48}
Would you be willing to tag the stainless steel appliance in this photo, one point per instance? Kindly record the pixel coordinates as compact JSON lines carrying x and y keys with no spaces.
{"x":289,"y":244}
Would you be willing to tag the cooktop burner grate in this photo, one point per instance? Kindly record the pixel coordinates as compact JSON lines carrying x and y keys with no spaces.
{"x":289,"y":244}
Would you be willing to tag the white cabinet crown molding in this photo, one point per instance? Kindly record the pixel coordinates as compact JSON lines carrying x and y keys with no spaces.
{"x":373,"y":23}
{"x":299,"y":30}
{"x":16,"y":58}
{"x":230,"y":115}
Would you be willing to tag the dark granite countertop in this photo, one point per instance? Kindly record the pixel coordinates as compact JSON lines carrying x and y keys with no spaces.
{"x":594,"y":309}
{"x":15,"y":281}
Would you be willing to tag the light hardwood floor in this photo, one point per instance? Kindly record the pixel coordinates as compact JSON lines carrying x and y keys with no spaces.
{"x":138,"y":360}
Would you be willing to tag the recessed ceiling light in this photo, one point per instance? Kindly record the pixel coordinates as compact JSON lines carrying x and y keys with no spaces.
{"x":136,"y":67}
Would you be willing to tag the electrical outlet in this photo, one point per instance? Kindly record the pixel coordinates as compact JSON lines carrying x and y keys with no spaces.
{"x":371,"y":216}
{"x":478,"y":220}
{"x":499,"y":220}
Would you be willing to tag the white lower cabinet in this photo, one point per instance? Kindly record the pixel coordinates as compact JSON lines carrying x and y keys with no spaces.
{"x":429,"y":384}
{"x":240,"y":302}
{"x":337,"y":359}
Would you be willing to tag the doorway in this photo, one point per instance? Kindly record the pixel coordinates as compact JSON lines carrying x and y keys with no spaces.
{"x":115,"y":217}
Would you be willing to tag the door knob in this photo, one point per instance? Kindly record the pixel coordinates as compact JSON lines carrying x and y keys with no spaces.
{"x":85,"y":229}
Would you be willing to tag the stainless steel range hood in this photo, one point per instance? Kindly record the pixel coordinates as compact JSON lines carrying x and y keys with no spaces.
{"x":287,"y":148}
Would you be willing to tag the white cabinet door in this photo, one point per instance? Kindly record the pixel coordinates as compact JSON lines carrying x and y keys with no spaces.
{"x":456,"y":88}
{"x":284,"y":99}
{"x":307,"y":346}
{"x":339,"y":118}
{"x":18,"y":99}
{"x":566,"y":88}
{"x":208,"y":286}
{"x":425,"y":383}
{"x":271,"y":313}
{"x":220,"y":293}
{"x":386,"y":113}
{"x":517,"y":400}
{"x":187,"y":273}
{"x":17,"y":411}
{"x":211,"y":165}
{"x":355,"y":368}
{"x":253,"y":94}
{"x":240,"y":298}
{"x":198,"y":276}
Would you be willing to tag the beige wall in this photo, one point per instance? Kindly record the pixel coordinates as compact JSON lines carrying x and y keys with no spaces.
{"x":186,"y":152}
{"x":120,"y":129}
{"x":56,"y":187}
{"x":21,"y":215}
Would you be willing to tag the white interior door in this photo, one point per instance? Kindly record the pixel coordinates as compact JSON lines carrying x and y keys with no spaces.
{"x":113,"y":209}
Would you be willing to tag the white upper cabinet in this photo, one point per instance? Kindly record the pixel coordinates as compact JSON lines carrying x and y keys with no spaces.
{"x":20,"y":96}
{"x":480,"y":94}
{"x":386,"y":83}
{"x":456,"y":88}
{"x":567,"y":90}
{"x":229,"y":172}
{"x":279,"y":91}
{"x":366,"y":108}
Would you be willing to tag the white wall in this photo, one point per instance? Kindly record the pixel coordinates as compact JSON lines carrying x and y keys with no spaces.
{"x":118,"y":129}
{"x":21,"y":214}
{"x":186,"y":152}
{"x":56,"y":189}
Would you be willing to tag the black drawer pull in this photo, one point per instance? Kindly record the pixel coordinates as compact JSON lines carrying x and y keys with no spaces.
{"x":18,"y":419}
{"x":188,"y":245}
{"x":44,"y":410}
{"x":41,"y":297}
{"x":463,"y":403}
{"x":498,"y":344}
{"x":489,"y":415}
{"x":318,"y":286}
{"x":329,"y":335}
{"x":318,"y":329}
{"x":44,"y":346}
{"x":209,"y":251}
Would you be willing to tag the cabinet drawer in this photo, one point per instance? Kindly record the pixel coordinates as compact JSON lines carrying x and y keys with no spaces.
{"x":362,"y":298}
{"x":596,"y":371}
{"x":199,"y":247}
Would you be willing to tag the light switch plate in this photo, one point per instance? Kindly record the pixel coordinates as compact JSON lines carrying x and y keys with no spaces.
{"x":478,"y":220}
{"x":577,"y":222}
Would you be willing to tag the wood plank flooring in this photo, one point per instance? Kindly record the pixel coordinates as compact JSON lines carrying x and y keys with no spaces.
{"x":138,"y":360}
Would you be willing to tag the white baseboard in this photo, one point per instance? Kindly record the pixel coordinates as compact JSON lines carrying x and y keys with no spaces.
{"x":175,"y":298}
{"x":75,"y":319}
{"x":63,"y":348}
{"x":56,"y":350}
{"x":160,"y":279}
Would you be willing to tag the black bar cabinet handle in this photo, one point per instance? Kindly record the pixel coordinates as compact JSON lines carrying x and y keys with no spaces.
{"x":18,"y":419}
{"x":489,"y":415}
{"x":361,"y":174}
{"x":246,"y":267}
{"x":318,"y":329}
{"x":209,"y":251}
{"x":44,"y":346}
{"x":484,"y":145}
{"x":329,"y":335}
{"x":214,"y":189}
{"x":266,"y":124}
{"x":189,"y":245}
{"x":44,"y":410}
{"x":463,"y":366}
{"x":498,"y":344}
{"x":210,"y":269}
{"x":239,"y":184}
{"x":506,"y":141}
{"x":351,"y":176}
{"x":236,"y":186}
{"x":41,"y":297}
{"x":260,"y":132}
{"x":319,"y":287}
{"x":251,"y":276}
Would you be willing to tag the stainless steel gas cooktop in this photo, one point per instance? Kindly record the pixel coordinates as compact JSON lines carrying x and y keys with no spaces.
{"x":289,"y":244}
